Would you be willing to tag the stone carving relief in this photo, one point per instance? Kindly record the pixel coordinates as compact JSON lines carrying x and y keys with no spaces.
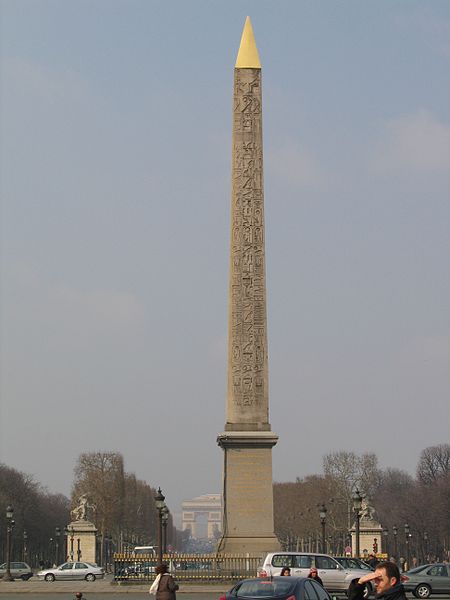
{"x":248,"y":357}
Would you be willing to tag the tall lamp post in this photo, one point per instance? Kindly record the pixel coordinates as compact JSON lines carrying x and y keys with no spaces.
{"x":323,"y":519}
{"x":407,"y":535}
{"x":357,"y":502}
{"x":159,"y":503}
{"x":9,"y":527}
{"x":395,"y":532}
{"x":25,"y":549}
{"x":385,"y":545}
{"x":57,"y":536}
{"x":165,"y":520}
{"x":425,"y":543}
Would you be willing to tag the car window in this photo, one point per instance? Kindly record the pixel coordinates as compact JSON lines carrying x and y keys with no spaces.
{"x":302,"y":561}
{"x":66,"y":566}
{"x":325,"y":562}
{"x":438,"y":571}
{"x":323,"y":594}
{"x":282,"y":560}
{"x":266,"y":588}
{"x":80,"y":566}
{"x":310,"y":593}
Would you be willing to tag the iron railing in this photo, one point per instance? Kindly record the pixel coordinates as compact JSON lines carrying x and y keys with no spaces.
{"x":187,"y":567}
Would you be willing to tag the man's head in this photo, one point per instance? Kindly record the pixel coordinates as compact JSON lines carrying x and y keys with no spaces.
{"x":386,"y":576}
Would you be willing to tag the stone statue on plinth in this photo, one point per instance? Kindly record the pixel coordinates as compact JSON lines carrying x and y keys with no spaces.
{"x":81,"y":532}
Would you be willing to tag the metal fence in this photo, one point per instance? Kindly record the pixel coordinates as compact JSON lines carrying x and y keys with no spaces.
{"x":187,"y":567}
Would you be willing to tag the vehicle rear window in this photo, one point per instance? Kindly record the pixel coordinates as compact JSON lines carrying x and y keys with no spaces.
{"x":266,"y":588}
{"x":282,"y":560}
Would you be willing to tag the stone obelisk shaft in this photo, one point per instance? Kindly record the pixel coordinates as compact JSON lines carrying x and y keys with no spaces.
{"x":248,"y":439}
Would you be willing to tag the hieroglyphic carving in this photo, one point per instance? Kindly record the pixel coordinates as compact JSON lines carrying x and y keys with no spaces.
{"x":248,"y":337}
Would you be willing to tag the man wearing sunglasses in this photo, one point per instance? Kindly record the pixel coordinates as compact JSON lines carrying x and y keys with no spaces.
{"x":387,"y":582}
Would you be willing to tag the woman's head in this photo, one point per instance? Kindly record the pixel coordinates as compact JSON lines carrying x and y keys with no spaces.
{"x":313,"y":572}
{"x":161,"y":569}
{"x":285,"y":571}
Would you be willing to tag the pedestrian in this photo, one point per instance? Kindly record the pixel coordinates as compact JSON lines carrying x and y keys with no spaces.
{"x":386,"y":579}
{"x":373,"y":561}
{"x":285,"y":572}
{"x":313,"y":574}
{"x":79,"y":596}
{"x":164,"y":586}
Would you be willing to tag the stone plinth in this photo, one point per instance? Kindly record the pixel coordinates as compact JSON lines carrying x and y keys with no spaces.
{"x":248,"y":492}
{"x":370,"y":533}
{"x":81,"y":541}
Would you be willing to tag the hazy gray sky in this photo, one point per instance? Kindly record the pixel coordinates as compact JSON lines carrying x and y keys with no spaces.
{"x":115,"y":185}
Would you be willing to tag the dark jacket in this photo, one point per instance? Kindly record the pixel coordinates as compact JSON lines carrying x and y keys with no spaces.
{"x":316,"y":579}
{"x":356,"y":592}
{"x":166,"y":588}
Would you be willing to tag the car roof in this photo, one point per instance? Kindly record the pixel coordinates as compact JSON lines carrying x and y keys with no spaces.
{"x":297,"y":553}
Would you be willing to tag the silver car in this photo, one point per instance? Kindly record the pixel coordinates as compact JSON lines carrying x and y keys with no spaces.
{"x":334,"y":576}
{"x":18,"y":570}
{"x":73,"y":570}
{"x":427,"y":579}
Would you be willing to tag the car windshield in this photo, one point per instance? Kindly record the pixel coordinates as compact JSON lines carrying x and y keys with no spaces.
{"x":266,"y":588}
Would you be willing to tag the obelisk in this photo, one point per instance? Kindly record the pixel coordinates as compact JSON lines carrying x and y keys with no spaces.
{"x":247,"y":440}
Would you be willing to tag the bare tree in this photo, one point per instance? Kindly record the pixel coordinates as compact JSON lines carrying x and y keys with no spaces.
{"x":434,"y":463}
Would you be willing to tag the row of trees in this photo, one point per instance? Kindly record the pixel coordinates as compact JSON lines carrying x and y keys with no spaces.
{"x":124,"y":510}
{"x":422,"y":502}
{"x":37,"y":517}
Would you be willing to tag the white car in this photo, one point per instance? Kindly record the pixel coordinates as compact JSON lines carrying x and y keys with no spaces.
{"x":334,"y":576}
{"x":73,"y":570}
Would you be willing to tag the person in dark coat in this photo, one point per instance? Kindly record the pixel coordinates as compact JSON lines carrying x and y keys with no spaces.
{"x":166,"y":586}
{"x":387,"y":582}
{"x":313,"y":574}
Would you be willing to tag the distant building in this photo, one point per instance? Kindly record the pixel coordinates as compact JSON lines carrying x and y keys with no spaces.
{"x":203,"y":516}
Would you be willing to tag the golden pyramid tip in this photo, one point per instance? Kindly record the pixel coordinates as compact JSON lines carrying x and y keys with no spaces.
{"x":248,"y":57}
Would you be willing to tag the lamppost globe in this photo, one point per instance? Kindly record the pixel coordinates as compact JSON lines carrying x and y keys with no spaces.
{"x":159,"y":499}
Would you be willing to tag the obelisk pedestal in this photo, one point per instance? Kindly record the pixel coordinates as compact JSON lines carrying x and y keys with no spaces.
{"x":247,"y":440}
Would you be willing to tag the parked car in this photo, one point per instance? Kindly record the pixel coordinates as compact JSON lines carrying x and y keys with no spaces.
{"x":350,"y":562}
{"x":335,"y":577}
{"x":279,"y":588}
{"x":73,"y":570}
{"x":427,"y":579}
{"x":18,"y":570}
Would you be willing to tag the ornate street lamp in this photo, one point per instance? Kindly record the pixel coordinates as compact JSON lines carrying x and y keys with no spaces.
{"x":159,"y":503}
{"x":25,"y":549}
{"x":357,"y":503}
{"x":323,"y":519}
{"x":9,"y":527}
{"x":165,"y":520}
{"x":407,"y":536}
{"x":425,"y":541}
{"x":57,"y":536}
{"x":385,"y":545}
{"x":395,"y":532}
